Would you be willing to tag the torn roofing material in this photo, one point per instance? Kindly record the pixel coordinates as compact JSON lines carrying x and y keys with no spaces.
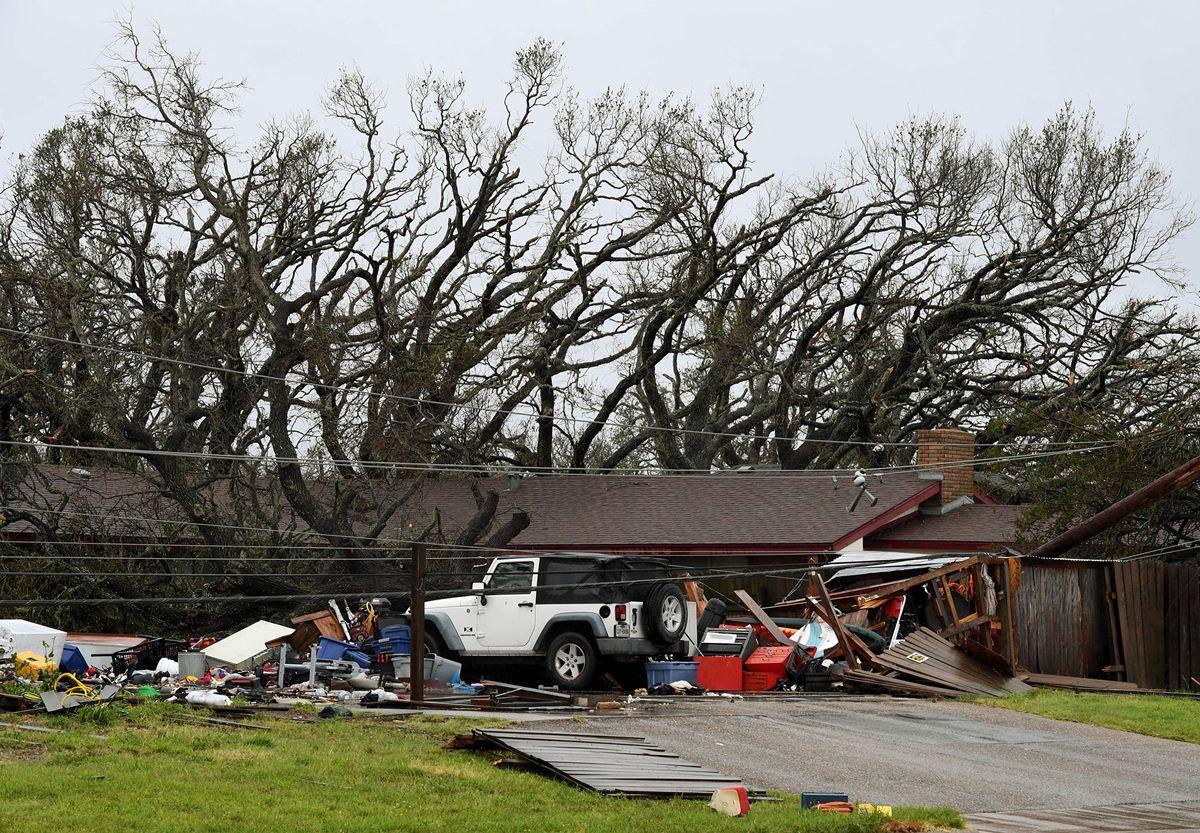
{"x":612,"y":765}
{"x":875,"y":562}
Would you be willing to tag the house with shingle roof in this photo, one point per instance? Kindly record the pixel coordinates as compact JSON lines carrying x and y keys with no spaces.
{"x":730,"y":517}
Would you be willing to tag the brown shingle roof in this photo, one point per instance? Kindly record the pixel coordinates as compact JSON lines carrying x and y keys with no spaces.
{"x":733,"y":512}
{"x":729,"y":510}
{"x":977,"y":523}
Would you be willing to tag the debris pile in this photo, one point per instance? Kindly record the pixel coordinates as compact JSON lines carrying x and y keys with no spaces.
{"x":335,"y":657}
{"x":935,"y":627}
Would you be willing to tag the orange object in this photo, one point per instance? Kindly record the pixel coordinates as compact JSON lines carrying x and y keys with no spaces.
{"x":836,"y":807}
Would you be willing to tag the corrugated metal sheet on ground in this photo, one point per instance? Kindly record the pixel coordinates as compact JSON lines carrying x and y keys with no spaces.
{"x":613,"y":765}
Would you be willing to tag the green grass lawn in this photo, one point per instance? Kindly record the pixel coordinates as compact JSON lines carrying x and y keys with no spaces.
{"x":154,"y":774}
{"x":1176,"y":718}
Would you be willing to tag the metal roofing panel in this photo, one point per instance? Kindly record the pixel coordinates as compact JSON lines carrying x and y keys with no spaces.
{"x":612,"y":765}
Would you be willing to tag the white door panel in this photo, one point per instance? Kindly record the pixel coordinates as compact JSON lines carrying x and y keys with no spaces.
{"x":507,"y":618}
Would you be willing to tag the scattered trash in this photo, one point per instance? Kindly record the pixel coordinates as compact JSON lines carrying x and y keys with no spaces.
{"x":207,"y":698}
{"x":836,"y":807}
{"x":875,"y":809}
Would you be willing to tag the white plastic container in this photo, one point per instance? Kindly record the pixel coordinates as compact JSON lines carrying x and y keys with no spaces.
{"x":18,"y":635}
{"x":436,"y":668}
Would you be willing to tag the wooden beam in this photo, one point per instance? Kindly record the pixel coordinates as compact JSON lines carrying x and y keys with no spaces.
{"x":762,"y":617}
{"x":849,"y":646}
{"x":416,"y":651}
{"x":907,"y":584}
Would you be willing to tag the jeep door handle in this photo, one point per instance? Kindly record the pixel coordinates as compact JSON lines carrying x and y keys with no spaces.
{"x":524,"y":604}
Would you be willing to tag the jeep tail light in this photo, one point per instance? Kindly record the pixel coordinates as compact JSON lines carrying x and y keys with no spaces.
{"x":620,"y":610}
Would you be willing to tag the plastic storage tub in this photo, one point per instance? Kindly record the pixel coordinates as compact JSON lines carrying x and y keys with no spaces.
{"x":332,"y":649}
{"x":437,"y":668}
{"x":665,"y":673}
{"x":395,"y":639}
{"x":73,"y":660}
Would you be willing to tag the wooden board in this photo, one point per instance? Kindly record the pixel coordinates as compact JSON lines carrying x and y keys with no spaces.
{"x":761,"y":615}
{"x":1078,"y":683}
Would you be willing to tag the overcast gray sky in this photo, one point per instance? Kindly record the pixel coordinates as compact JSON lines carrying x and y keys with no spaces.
{"x":825,"y":69}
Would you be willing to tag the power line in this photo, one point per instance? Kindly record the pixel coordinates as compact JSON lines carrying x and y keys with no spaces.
{"x":231,"y":574}
{"x":445,"y":403}
{"x":1168,"y":549}
{"x":464,"y":468}
{"x":433,"y":593}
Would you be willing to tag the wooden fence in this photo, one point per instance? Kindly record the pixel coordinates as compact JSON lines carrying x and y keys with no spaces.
{"x":1138,"y":621}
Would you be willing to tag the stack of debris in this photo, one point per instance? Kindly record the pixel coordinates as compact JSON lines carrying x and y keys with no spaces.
{"x":946,"y":631}
{"x":336,"y":656}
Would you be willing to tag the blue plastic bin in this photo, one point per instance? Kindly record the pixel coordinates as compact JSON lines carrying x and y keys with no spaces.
{"x":73,"y":660}
{"x":398,"y":639}
{"x":359,"y":657}
{"x":665,"y":673}
{"x":330,"y":648}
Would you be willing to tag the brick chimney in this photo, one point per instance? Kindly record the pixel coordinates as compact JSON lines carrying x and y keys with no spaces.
{"x":939,"y":446}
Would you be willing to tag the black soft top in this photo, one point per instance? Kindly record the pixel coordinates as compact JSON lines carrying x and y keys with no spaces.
{"x":605,"y":578}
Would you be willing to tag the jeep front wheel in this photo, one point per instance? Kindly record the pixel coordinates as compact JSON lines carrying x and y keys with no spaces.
{"x":571,"y":661}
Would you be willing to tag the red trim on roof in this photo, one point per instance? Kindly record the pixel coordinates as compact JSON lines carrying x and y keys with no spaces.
{"x":984,"y":497}
{"x":886,"y":519}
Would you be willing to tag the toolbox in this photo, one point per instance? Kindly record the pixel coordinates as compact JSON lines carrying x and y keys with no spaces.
{"x":719,"y":673}
{"x":766,"y":667}
{"x":729,"y":641}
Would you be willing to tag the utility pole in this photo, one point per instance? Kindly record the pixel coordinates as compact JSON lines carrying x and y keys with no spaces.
{"x":416,"y":666}
{"x":1169,"y":483}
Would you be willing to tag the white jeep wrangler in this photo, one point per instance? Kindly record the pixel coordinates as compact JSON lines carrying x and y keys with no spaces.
{"x":572,"y":611}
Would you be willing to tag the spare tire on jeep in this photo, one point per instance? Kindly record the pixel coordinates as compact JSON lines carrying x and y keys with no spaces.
{"x":665,"y":612}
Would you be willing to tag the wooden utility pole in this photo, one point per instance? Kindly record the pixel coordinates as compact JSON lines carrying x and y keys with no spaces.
{"x":416,"y":651}
{"x":1169,"y":483}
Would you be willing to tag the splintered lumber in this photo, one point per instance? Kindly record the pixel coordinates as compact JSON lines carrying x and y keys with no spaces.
{"x":852,"y":647}
{"x":763,"y":619}
{"x":927,"y":658}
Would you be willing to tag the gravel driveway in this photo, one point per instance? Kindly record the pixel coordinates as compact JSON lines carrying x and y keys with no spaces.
{"x":894,"y":751}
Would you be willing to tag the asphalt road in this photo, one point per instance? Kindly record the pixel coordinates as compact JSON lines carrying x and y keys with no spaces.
{"x":894,"y":751}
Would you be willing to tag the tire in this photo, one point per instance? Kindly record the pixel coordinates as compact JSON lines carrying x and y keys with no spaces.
{"x":433,"y":642}
{"x":712,"y":617}
{"x":571,"y":661}
{"x":665,"y":612}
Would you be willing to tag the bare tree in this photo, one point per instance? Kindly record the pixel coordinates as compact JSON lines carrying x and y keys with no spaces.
{"x":302,"y":333}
